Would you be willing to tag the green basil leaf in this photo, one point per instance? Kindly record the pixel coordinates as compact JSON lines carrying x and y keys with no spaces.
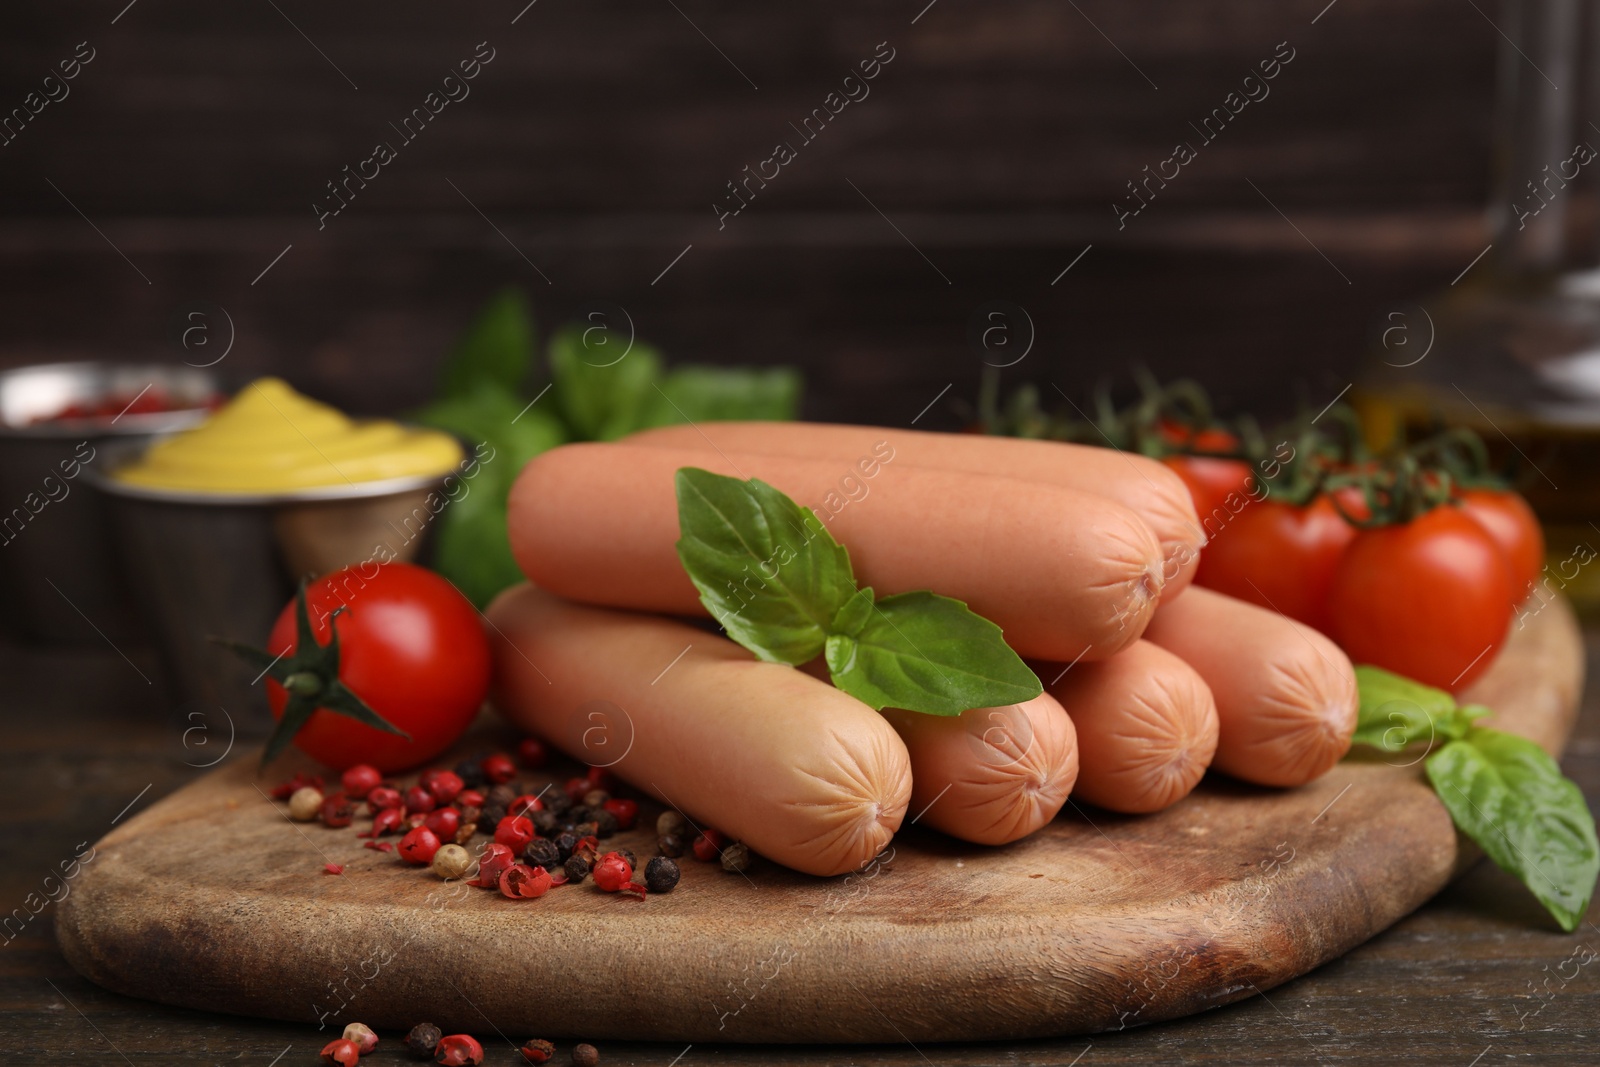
{"x":1510,"y":797}
{"x":1396,"y":711}
{"x":767,"y":569}
{"x":932,"y":654}
{"x":706,"y":394}
{"x":600,"y":388}
{"x":496,"y":350}
{"x":853,"y":617}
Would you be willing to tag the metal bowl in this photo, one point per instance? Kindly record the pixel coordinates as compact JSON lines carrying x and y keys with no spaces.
{"x":213,"y":565}
{"x":57,"y":576}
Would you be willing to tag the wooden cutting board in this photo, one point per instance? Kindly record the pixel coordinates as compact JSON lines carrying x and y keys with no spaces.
{"x":212,"y":899}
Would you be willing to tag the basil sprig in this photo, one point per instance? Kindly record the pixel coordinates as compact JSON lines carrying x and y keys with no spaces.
{"x":781,"y":586}
{"x":1503,"y":791}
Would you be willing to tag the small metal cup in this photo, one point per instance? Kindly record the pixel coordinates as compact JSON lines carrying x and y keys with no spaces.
{"x":58,"y":580}
{"x":204,"y":566}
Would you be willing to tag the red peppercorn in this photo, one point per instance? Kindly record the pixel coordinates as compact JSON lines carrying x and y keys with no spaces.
{"x":708,"y":845}
{"x":626,"y":812}
{"x":537,"y":1051}
{"x":532,"y":752}
{"x":514,"y":831}
{"x":416,"y":819}
{"x":612,"y":871}
{"x":445,"y":786}
{"x":575,"y":788}
{"x":498,"y":768}
{"x":361,"y":779}
{"x":299,"y":781}
{"x":600,"y":778}
{"x":526,"y":804}
{"x":342,"y":1052}
{"x":445,"y":822}
{"x":492,"y":862}
{"x":383,"y":796}
{"x":470,"y":798}
{"x":337,"y":810}
{"x":387,"y":821}
{"x":419,"y":799}
{"x":458,"y":1050}
{"x":522,"y":882}
{"x":419,"y":845}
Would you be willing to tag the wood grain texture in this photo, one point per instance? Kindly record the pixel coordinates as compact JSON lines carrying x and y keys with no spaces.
{"x":211,"y":898}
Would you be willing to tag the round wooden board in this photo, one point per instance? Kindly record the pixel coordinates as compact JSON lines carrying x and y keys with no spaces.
{"x":212,"y":899}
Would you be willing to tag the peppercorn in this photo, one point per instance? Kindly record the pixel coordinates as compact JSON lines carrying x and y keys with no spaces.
{"x":387,"y":821}
{"x":299,"y":781}
{"x":671,"y":824}
{"x":470,"y":771}
{"x":422,"y":1040}
{"x":544,"y":823}
{"x":444,"y":785}
{"x":708,"y":845}
{"x":557,"y":801}
{"x":626,"y":812}
{"x":537,"y":1051}
{"x":586,"y":829}
{"x":566,"y":842}
{"x":575,"y":788}
{"x":585,"y":1056}
{"x":501,"y":795}
{"x":599,"y":778}
{"x":514,"y":832}
{"x":521,"y":882}
{"x":577,"y":868}
{"x":362,"y":1035}
{"x":660,"y":875}
{"x":361,"y":779}
{"x":492,"y":862}
{"x":470,"y":798}
{"x":498,"y":767}
{"x":627,"y":854}
{"x":736,"y":858}
{"x":419,"y":799}
{"x":452,"y":861}
{"x":490,"y":815}
{"x":342,"y":1052}
{"x":419,"y":846}
{"x":531,"y":752}
{"x":337,"y":811}
{"x":383,"y":796}
{"x":305,"y":803}
{"x":596,"y":798}
{"x":445,"y":822}
{"x":670,"y":845}
{"x":458,"y":1050}
{"x":524,"y":804}
{"x":542,"y":852}
{"x":606,"y":824}
{"x":612,"y":872}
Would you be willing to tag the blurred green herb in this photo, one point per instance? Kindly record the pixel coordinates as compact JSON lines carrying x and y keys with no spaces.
{"x":598,"y":385}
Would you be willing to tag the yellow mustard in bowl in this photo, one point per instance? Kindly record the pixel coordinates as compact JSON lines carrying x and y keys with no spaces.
{"x":270,"y":438}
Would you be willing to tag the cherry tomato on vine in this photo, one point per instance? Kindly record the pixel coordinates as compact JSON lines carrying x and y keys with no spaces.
{"x":411,"y":649}
{"x":1514,"y":527}
{"x":1431,"y":599}
{"x":1281,"y":556}
{"x":1211,"y":481}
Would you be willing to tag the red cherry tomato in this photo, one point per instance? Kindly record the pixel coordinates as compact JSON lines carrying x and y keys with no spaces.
{"x":1430,"y":599}
{"x":1220,"y":488}
{"x":410,"y":645}
{"x":1282,"y":557}
{"x":1514,"y":527}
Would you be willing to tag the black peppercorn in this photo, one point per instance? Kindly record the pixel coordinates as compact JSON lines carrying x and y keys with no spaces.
{"x":585,"y":1056}
{"x":577,"y":868}
{"x":627,"y":854}
{"x":587,"y":829}
{"x":557,"y":800}
{"x":542,"y":852}
{"x":470,"y":771}
{"x":606,"y":824}
{"x":544,"y":822}
{"x":576,"y":814}
{"x":670,"y":845}
{"x":422,"y":1040}
{"x":490,"y":816}
{"x":501,"y":795}
{"x":660,"y":875}
{"x":566,"y":842}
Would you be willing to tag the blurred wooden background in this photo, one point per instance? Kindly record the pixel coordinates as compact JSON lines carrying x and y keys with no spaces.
{"x":599,"y":137}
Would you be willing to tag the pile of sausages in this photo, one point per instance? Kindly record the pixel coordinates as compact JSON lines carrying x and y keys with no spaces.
{"x":1083,"y":556}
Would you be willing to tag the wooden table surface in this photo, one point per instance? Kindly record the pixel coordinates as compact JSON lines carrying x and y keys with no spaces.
{"x":1479,"y":976}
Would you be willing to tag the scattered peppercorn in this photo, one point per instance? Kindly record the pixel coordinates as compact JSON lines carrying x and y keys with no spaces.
{"x":576,"y":868}
{"x":299,"y":781}
{"x":419,"y":846}
{"x":736,"y":858}
{"x":627,"y":854}
{"x":585,"y":1056}
{"x":670,"y":845}
{"x":362,"y":1035}
{"x":470,"y":771}
{"x":419,"y":799}
{"x":598,"y":778}
{"x":445,"y":786}
{"x":544,"y":822}
{"x":452,"y":861}
{"x":708,"y":845}
{"x":470,"y":798}
{"x":537,"y":1051}
{"x":337,"y":811}
{"x":361,"y":779}
{"x":305,"y":803}
{"x":575,"y":788}
{"x":458,"y":1050}
{"x":422,"y":1040}
{"x":492,"y":862}
{"x":501,"y":795}
{"x":586,"y":829}
{"x":557,"y":801}
{"x":661,"y":875}
{"x":542,"y":852}
{"x":524,"y":804}
{"x":498,"y":767}
{"x":596,"y":798}
{"x":606,"y":824}
{"x":521,"y":882}
{"x":626,"y":812}
{"x":489,"y":816}
{"x":444,"y":822}
{"x":532,"y":752}
{"x":514,"y":831}
{"x":383,"y":796}
{"x":343,"y":1052}
{"x":566,"y":841}
{"x":612,"y":872}
{"x":671,"y":824}
{"x":387,"y":821}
